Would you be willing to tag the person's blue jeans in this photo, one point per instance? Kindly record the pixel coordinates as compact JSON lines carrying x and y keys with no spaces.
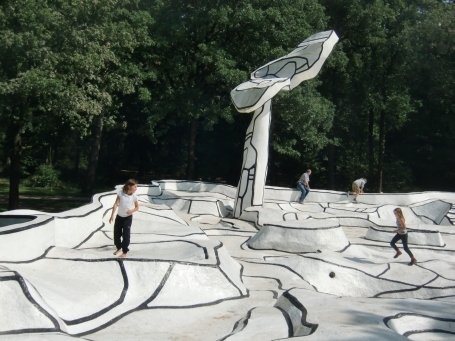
{"x":305,"y":190}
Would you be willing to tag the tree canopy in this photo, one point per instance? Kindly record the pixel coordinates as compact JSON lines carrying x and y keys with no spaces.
{"x":94,"y":88}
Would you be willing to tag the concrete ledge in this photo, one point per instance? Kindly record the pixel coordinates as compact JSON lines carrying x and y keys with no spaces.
{"x":417,"y":237}
{"x":300,"y":236}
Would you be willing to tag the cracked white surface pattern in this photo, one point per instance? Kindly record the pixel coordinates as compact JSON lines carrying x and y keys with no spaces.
{"x":193,"y":273}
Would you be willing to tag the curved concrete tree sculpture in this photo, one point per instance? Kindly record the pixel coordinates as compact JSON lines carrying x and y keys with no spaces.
{"x":256,"y":94}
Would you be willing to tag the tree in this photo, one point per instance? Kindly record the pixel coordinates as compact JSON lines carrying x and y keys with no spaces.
{"x":26,"y":74}
{"x":206,"y":48}
{"x":430,"y":137}
{"x":96,"y":65}
{"x":370,"y":90}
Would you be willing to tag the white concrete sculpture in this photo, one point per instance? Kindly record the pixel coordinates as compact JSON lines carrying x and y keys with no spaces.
{"x":193,"y":272}
{"x":256,"y":95}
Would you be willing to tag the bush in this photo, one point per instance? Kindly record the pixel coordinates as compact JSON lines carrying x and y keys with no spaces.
{"x":46,"y":176}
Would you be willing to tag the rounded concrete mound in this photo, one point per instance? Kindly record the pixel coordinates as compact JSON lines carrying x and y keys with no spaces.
{"x":307,"y":235}
{"x":416,"y":236}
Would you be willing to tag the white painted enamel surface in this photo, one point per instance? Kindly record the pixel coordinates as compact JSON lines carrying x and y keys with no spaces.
{"x":194,"y":274}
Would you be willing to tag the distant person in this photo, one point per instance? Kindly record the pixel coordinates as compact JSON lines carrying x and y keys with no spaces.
{"x":304,"y":185}
{"x":127,"y":204}
{"x":402,"y":234}
{"x":357,"y":187}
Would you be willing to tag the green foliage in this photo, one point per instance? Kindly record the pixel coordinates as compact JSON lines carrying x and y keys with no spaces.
{"x":45,"y":176}
{"x":157,"y":76}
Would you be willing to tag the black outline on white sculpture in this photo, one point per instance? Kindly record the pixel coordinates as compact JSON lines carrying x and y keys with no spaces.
{"x":256,"y":95}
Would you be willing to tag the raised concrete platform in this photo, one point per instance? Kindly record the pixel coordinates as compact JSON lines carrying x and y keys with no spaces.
{"x":195,"y":273}
{"x":298,"y":236}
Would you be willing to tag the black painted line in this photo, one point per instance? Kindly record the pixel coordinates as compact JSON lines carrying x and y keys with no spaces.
{"x":378,"y":295}
{"x":280,"y":285}
{"x":241,"y":275}
{"x":199,"y":305}
{"x":237,"y":231}
{"x":230,"y":281}
{"x":243,"y":322}
{"x":225,"y":235}
{"x":108,"y":308}
{"x":296,"y":303}
{"x":192,"y":182}
{"x":275,"y":293}
{"x":215,"y":250}
{"x":361,"y":271}
{"x":260,"y":97}
{"x":425,"y":285}
{"x":230,"y":223}
{"x":424,"y":331}
{"x":288,"y":320}
{"x":382,"y":273}
{"x":290,"y":252}
{"x":31,"y":260}
{"x":28,"y":330}
{"x":218,"y":202}
{"x":24,"y":228}
{"x":140,"y":307}
{"x":246,"y":241}
{"x":90,"y":236}
{"x":22,"y":283}
{"x":106,"y":235}
{"x":440,"y":297}
{"x":345,"y":248}
{"x":165,"y":241}
{"x":170,"y":235}
{"x":304,"y":228}
{"x":415,"y":247}
{"x":400,"y":315}
{"x":428,"y":261}
{"x":283,"y":266}
{"x":160,"y":286}
{"x":142,"y":260}
{"x":409,"y":230}
{"x":92,"y":211}
{"x":169,"y":218}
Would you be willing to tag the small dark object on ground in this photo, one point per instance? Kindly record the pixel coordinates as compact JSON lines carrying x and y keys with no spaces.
{"x":332,"y":274}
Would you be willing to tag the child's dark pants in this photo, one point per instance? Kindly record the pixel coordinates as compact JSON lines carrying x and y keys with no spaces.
{"x":404,"y":240}
{"x":122,"y":227}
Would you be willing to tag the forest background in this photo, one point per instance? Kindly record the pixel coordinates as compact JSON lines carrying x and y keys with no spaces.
{"x":95,"y":91}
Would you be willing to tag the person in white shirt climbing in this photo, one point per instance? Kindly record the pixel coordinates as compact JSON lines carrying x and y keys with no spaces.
{"x":127,"y":204}
{"x":357,"y":187}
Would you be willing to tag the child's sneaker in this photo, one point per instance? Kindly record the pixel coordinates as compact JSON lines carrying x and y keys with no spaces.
{"x":413,"y":261}
{"x":397,"y":254}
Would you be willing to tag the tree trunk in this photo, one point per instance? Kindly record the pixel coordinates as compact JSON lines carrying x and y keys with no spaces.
{"x":371,"y":145}
{"x":331,"y":167}
{"x":381,"y":148}
{"x":89,"y":182}
{"x":15,"y":168}
{"x":77,"y":162}
{"x":193,"y":125}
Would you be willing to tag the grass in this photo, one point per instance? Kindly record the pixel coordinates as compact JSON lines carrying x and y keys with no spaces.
{"x":46,"y":199}
{"x":45,"y":205}
{"x":47,"y":191}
